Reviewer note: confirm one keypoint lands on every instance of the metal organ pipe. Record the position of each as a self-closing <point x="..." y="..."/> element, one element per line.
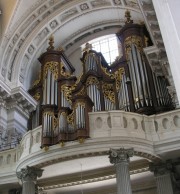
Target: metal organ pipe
<point x="44" y="92"/>
<point x="160" y="90"/>
<point x="44" y="125"/>
<point x="80" y="116"/>
<point x="94" y="98"/>
<point x="52" y="88"/>
<point x="48" y="87"/>
<point x="98" y="99"/>
<point x="77" y="118"/>
<point x="136" y="69"/>
<point x="166" y="94"/>
<point x="142" y="77"/>
<point x="127" y="96"/>
<point x="133" y="79"/>
<point x="83" y="117"/>
<point x="147" y="82"/>
<point x="56" y="92"/>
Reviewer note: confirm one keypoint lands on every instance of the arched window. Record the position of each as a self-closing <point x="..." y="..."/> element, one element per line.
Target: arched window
<point x="108" y="46"/>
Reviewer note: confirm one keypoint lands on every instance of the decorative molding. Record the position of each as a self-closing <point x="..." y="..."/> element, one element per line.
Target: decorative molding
<point x="29" y="174"/>
<point x="120" y="155"/>
<point x="18" y="41"/>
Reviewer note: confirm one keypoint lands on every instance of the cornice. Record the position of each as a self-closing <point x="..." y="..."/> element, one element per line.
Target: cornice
<point x="88" y="177"/>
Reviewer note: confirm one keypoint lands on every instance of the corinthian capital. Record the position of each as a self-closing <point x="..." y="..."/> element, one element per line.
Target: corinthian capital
<point x="120" y="155"/>
<point x="29" y="173"/>
<point x="161" y="169"/>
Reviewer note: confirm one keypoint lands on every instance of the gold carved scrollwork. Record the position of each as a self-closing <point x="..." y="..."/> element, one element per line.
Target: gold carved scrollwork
<point x="92" y="81"/>
<point x="67" y="90"/>
<point x="70" y="118"/>
<point x="109" y="92"/>
<point x="111" y="75"/>
<point x="63" y="71"/>
<point x="38" y="80"/>
<point x="118" y="77"/>
<point x="136" y="40"/>
<point x="77" y="81"/>
<point x="37" y="96"/>
<point x="55" y="122"/>
<point x="146" y="39"/>
<point x="53" y="67"/>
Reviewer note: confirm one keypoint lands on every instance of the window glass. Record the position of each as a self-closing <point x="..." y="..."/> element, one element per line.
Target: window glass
<point x="108" y="46"/>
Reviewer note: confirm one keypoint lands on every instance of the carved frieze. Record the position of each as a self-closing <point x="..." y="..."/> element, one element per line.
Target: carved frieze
<point x="84" y="6"/>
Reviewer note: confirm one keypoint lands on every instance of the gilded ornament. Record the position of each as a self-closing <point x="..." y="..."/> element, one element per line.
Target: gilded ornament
<point x="38" y="80"/>
<point x="109" y="92"/>
<point x="53" y="67"/>
<point x="62" y="143"/>
<point x="88" y="47"/>
<point x="118" y="77"/>
<point x="63" y="71"/>
<point x="81" y="140"/>
<point x="67" y="90"/>
<point x="46" y="148"/>
<point x="136" y="40"/>
<point x="55" y="122"/>
<point x="70" y="118"/>
<point x="111" y="75"/>
<point x="77" y="81"/>
<point x="37" y="96"/>
<point x="92" y="81"/>
<point x="146" y="39"/>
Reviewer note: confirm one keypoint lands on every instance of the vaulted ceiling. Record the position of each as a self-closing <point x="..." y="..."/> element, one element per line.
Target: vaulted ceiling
<point x="27" y="26"/>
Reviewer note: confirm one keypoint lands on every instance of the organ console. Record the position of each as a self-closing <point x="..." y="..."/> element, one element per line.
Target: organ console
<point x="129" y="84"/>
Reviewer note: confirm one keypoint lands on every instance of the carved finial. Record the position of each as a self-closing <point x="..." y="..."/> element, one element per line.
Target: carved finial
<point x="51" y="43"/>
<point x="88" y="47"/>
<point x="128" y="17"/>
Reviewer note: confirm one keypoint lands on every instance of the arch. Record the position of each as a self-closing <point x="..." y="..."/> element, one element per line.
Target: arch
<point x="30" y="37"/>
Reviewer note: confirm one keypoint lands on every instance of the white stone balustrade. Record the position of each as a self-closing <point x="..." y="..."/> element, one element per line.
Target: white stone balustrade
<point x="119" y="123"/>
<point x="151" y="135"/>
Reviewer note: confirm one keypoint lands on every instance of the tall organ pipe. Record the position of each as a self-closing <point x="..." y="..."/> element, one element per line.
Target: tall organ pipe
<point x="48" y="87"/>
<point x="52" y="89"/>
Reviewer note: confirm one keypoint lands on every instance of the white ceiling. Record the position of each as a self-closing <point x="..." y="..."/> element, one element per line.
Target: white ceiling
<point x="72" y="22"/>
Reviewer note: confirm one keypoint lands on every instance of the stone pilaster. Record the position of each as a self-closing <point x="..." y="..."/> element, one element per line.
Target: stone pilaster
<point x="162" y="173"/>
<point x="120" y="158"/>
<point x="28" y="177"/>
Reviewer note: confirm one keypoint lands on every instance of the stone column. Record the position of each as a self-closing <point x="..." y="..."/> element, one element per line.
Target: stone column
<point x="120" y="158"/>
<point x="162" y="174"/>
<point x="28" y="177"/>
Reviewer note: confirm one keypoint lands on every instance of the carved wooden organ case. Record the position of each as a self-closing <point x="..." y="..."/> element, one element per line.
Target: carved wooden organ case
<point x="142" y="90"/>
<point x="129" y="84"/>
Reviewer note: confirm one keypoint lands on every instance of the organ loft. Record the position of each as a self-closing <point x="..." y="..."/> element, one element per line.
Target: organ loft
<point x="129" y="84"/>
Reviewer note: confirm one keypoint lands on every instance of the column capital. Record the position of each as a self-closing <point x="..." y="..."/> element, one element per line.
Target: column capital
<point x="161" y="168"/>
<point x="120" y="155"/>
<point x="29" y="174"/>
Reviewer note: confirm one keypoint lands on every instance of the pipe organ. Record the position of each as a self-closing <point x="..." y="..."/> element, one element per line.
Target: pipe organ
<point x="142" y="91"/>
<point x="129" y="84"/>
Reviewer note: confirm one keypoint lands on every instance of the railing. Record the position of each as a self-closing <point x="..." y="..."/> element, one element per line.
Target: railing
<point x="119" y="123"/>
<point x="160" y="133"/>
